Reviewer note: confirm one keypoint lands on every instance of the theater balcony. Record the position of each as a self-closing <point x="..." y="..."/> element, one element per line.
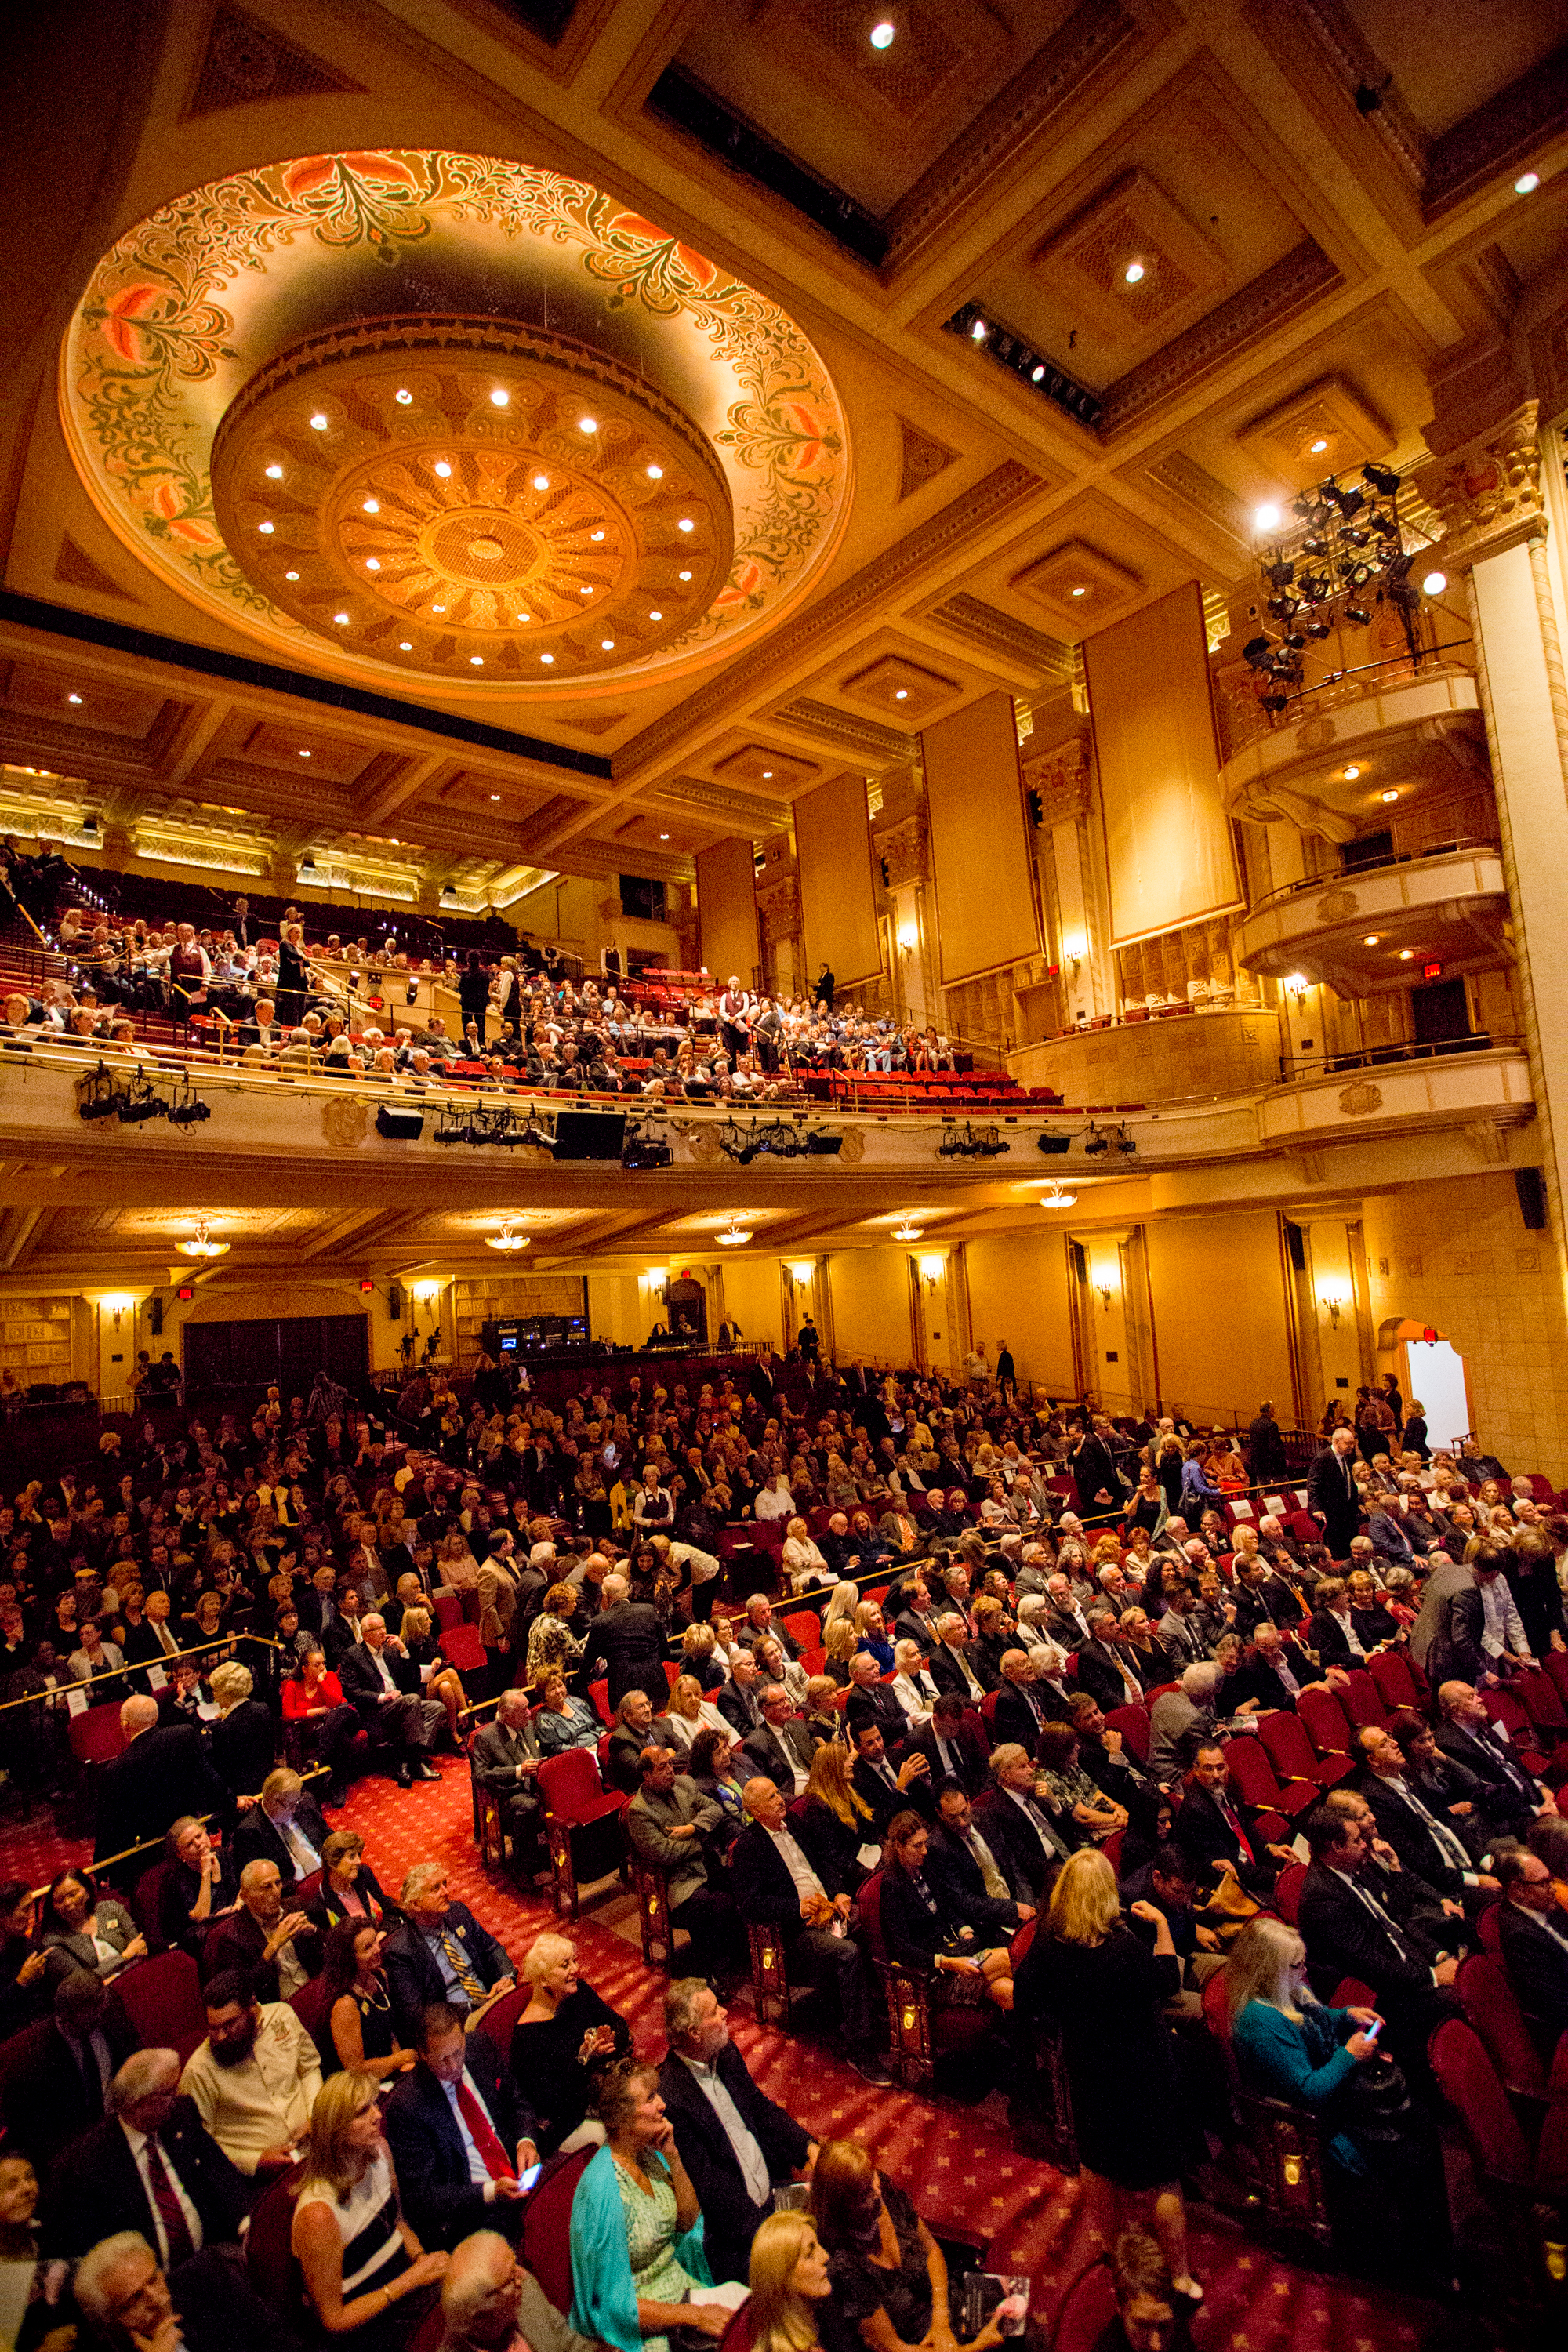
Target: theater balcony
<point x="1374" y="927"/>
<point x="1481" y="1085"/>
<point x="1355" y="751"/>
<point x="1171" y="1054"/>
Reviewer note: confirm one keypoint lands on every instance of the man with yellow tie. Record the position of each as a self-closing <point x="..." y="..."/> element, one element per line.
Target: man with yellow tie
<point x="440" y="1953"/>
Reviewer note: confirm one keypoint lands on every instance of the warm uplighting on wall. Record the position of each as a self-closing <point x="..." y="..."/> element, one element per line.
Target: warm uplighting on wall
<point x="802" y="1272"/>
<point x="118" y="1303"/>
<point x="1333" y="1300"/>
<point x="1296" y="985"/>
<point x="909" y="938"/>
<point x="933" y="1268"/>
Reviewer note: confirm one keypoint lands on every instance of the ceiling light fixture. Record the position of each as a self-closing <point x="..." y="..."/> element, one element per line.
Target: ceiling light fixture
<point x="595" y="536"/>
<point x="202" y="1245"/>
<point x="442" y="467"/>
<point x="370" y="506"/>
<point x="547" y="659"/>
<point x="656" y="473"/>
<point x="475" y="661"/>
<point x="978" y="332"/>
<point x="664" y="836"/>
<point x="318" y="423"/>
<point x="290" y="575"/>
<point x="1351" y="774"/>
<point x="1056" y="1199"/>
<point x="1371" y="939"/>
<point x="901" y="694"/>
<point x="686" y="523"/>
<point x="606" y="645"/>
<point x="734" y="1235"/>
<point x="1433" y="584"/>
<point x="584" y="592"/>
<point x="1388" y="797"/>
<point x="1080" y="591"/>
<point x="437" y="608"/>
<point x="1266" y="518"/>
<point x="1319" y="446"/>
<point x="507" y="1239"/>
<point x="304" y="755"/>
<point x="495" y="796"/>
<point x="73" y="698"/>
<point x="274" y="473"/>
<point x="405" y="646"/>
<point x="499" y="399"/>
<point x="266" y="529"/>
<point x="1133" y="273"/>
<point x="340" y="620"/>
<point x="883" y="34"/>
<point x="907" y="1231"/>
<point x="542" y="481"/>
<point x="683" y="575"/>
<point x="587" y="424"/>
<point x="655" y="616"/>
<point x="1527" y="184"/>
<point x="372" y="564"/>
<point x="1035" y="374"/>
<point x="1407" y="955"/>
<point x="767" y="775"/>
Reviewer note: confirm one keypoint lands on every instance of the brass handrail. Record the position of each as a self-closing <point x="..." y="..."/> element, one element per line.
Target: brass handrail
<point x="140" y="1667"/>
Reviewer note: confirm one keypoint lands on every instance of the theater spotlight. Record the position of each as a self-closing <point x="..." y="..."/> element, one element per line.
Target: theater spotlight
<point x="1050" y="1144"/>
<point x="642" y="1150"/>
<point x="1123" y="1141"/>
<point x="823" y="1144"/>
<point x="1382" y="479"/>
<point x="1094" y="1143"/>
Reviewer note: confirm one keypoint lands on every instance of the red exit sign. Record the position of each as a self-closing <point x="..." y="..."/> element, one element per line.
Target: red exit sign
<point x="1431" y="972"/>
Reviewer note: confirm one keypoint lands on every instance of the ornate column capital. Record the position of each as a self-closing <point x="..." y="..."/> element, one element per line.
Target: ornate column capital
<point x="1488" y="491"/>
<point x="778" y="908"/>
<point x="904" y="847"/>
<point x="1060" y="773"/>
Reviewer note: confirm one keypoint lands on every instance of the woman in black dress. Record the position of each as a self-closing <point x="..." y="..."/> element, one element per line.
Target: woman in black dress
<point x="358" y="2033"/>
<point x="1089" y="1973"/>
<point x="888" y="2275"/>
<point x="199" y="1885"/>
<point x="563" y="2044"/>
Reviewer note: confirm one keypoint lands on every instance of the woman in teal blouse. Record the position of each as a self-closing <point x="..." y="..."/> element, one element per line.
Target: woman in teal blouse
<point x="1287" y="2045"/>
<point x="636" y="2231"/>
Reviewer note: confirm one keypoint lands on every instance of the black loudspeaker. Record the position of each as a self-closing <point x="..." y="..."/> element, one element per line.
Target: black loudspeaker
<point x="589" y="1134"/>
<point x="403" y="1126"/>
<point x="1531" y="1186"/>
<point x="395" y="1301"/>
<point x="155" y="1312"/>
<point x="1296" y="1242"/>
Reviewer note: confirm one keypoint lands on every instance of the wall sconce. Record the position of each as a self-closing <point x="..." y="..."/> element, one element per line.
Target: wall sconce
<point x="657" y="1277"/>
<point x="1104" y="1290"/>
<point x="1333" y="1302"/>
<point x="1296" y="987"/>
<point x="801" y="1273"/>
<point x="1075" y="946"/>
<point x="909" y="938"/>
<point x="118" y="1303"/>
<point x="933" y="1268"/>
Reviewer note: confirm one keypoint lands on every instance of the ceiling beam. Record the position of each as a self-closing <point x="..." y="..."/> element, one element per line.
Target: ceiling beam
<point x="22" y="1239"/>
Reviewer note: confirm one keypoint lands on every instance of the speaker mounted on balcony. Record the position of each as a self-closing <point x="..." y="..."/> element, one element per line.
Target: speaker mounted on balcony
<point x="401" y="1126"/>
<point x="589" y="1135"/>
<point x="1531" y="1186"/>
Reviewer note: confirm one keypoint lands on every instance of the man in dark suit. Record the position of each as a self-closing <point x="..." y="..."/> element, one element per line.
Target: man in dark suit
<point x="285" y="1828"/>
<point x="160" y="1774"/>
<point x="459" y="2132"/>
<point x="888" y="1787"/>
<point x="58" y="2086"/>
<point x="1016" y="1820"/>
<point x="951" y="1667"/>
<point x="871" y="1701"/>
<point x="380" y="1678"/>
<point x="775" y="1885"/>
<point x="274" y="1946"/>
<point x="1332" y="1493"/>
<point x="1018" y="1714"/>
<point x="638" y="1728"/>
<point x="953" y="1749"/>
<point x="1535" y="1945"/>
<point x="1103" y="1669"/>
<point x="1424" y="1838"/>
<point x="736" y="2144"/>
<point x="739" y="1702"/>
<point x="147" y="2162"/>
<point x="1212" y="1831"/>
<point x="629" y="1637"/>
<point x="1094" y="1471"/>
<point x="1273" y="1671"/>
<point x="1509" y="1797"/>
<point x="781" y="1746"/>
<point x="504" y="1759"/>
<point x="1349" y="1932"/>
<point x="439" y="1953"/>
<point x="969" y="1880"/>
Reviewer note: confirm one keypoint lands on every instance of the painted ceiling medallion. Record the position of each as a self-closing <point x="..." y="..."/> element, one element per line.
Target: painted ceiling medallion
<point x="450" y="499"/>
<point x="216" y="331"/>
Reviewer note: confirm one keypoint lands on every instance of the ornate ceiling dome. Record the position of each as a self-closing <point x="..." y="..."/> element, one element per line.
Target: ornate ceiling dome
<point x="455" y="418"/>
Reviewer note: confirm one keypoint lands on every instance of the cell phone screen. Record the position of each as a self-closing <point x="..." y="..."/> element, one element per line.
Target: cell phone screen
<point x="1375" y="2029"/>
<point x="525" y="2180"/>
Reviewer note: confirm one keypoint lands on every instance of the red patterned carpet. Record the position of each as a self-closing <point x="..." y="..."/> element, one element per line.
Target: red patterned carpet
<point x="958" y="2163"/>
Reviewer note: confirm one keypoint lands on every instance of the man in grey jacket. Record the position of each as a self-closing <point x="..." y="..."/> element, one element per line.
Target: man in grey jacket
<point x="490" y="2303"/>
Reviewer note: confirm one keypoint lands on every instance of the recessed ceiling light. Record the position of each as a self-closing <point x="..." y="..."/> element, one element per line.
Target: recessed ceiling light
<point x="304" y="755"/>
<point x="542" y="481"/>
<point x="495" y="796"/>
<point x="587" y="424"/>
<point x="1389" y="796"/>
<point x="523" y="619"/>
<point x="1527" y="184"/>
<point x="686" y="523"/>
<point x="1133" y="273"/>
<point x="372" y="564"/>
<point x="596" y="535"/>
<point x="266" y="529"/>
<point x="1407" y="955"/>
<point x="340" y="620"/>
<point x="978" y="332"/>
<point x="475" y="661"/>
<point x="1036" y="373"/>
<point x="499" y="399"/>
<point x="437" y="608"/>
<point x="547" y="659"/>
<point x="442" y="467"/>
<point x="1081" y="592"/>
<point x="403" y="399"/>
<point x="584" y="592"/>
<point x="664" y="836"/>
<point x="274" y="473"/>
<point x="684" y="575"/>
<point x="1266" y="518"/>
<point x="1318" y="447"/>
<point x="290" y="575"/>
<point x="1351" y="774"/>
<point x="606" y="645"/>
<point x="370" y="506"/>
<point x="656" y="473"/>
<point x="655" y="616"/>
<point x="1434" y="583"/>
<point x="405" y="646"/>
<point x="901" y="694"/>
<point x="882" y="36"/>
<point x="1371" y="939"/>
<point x="318" y="423"/>
<point x="73" y="698"/>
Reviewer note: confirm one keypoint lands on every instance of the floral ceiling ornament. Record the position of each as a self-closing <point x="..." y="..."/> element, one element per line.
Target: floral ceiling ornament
<point x="193" y="303"/>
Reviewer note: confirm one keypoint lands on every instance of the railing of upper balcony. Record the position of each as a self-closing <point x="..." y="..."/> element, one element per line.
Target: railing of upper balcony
<point x="1243" y="720"/>
<point x="1466" y="845"/>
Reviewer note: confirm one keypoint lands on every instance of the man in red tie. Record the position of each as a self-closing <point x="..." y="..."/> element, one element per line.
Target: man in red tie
<point x="1213" y="1833"/>
<point x="460" y="2135"/>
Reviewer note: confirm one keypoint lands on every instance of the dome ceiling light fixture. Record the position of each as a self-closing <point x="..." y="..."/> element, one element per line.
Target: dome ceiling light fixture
<point x="1056" y="1199"/>
<point x="225" y="370"/>
<point x="201" y="1244"/>
<point x="907" y="1231"/>
<point x="509" y="1238"/>
<point x="735" y="1236"/>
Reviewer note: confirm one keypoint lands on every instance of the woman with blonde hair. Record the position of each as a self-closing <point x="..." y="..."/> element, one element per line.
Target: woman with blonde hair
<point x="456" y="1570"/>
<point x="839" y="1645"/>
<point x="843" y="1602"/>
<point x="788" y="2279"/>
<point x="1088" y="1972"/>
<point x="691" y="1711"/>
<point x="836" y="1828"/>
<point x="562" y="2046"/>
<point x="423" y="1644"/>
<point x="366" y="2273"/>
<point x="804" y="1564"/>
<point x="554" y="1647"/>
<point x="777" y="1671"/>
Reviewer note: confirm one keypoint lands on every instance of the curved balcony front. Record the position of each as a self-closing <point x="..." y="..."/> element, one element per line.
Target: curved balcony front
<point x="1382" y="925"/>
<point x="1352" y="748"/>
<point x="1173" y="1057"/>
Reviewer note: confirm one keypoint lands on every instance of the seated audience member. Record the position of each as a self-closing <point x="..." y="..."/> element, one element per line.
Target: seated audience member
<point x="1534" y="1931"/>
<point x="775" y="1885"/>
<point x="789" y="2284"/>
<point x="1150" y="2316"/>
<point x="245" y="1738"/>
<point x="968" y="1877"/>
<point x="364" y="2272"/>
<point x="952" y="1746"/>
<point x="23" y="2278"/>
<point x="1510" y="1798"/>
<point x="740" y="1700"/>
<point x="929" y="1934"/>
<point x="312" y="1694"/>
<point x="80" y="1929"/>
<point x="565" y="1721"/>
<point x="285" y="1828"/>
<point x="1093" y="1816"/>
<point x="1019" y="1823"/>
<point x="439" y="1952"/>
<point x="886" y="1788"/>
<point x="61" y="2086"/>
<point x="128" y="2305"/>
<point x="637" y="2230"/>
<point x="255" y="2078"/>
<point x="504" y="1759"/>
<point x="1287" y="2046"/>
<point x="349" y="1887"/>
<point x="1211" y="1827"/>
<point x="199" y="1884"/>
<point x="837" y="1824"/>
<point x="888" y="2276"/>
<point x="1425" y="1840"/>
<point x="563" y="2044"/>
<point x="736" y="2144"/>
<point x="781" y="1746"/>
<point x="382" y="1681"/>
<point x="460" y="2135"/>
<point x="150" y="2165"/>
<point x="359" y="2033"/>
<point x="690" y="1712"/>
<point x="161" y="1771"/>
<point x="276" y="1947"/>
<point x="636" y="1728"/>
<point x="669" y="1822"/>
<point x="912" y="1684"/>
<point x="24" y="1984"/>
<point x="490" y="2303"/>
<point x="1349" y="1932"/>
<point x="1106" y="1990"/>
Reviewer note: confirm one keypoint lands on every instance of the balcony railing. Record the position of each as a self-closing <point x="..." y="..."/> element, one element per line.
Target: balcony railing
<point x="1464" y="847"/>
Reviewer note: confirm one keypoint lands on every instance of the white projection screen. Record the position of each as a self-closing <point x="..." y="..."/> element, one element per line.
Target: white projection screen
<point x="1169" y="850"/>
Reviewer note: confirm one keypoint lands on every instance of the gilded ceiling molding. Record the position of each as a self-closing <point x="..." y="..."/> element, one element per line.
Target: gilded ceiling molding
<point x="1488" y="493"/>
<point x="923" y="458"/>
<point x="1063" y="777"/>
<point x="739" y="809"/>
<point x="967" y="618"/>
<point x="980" y="510"/>
<point x="1299" y="278"/>
<point x="844" y="728"/>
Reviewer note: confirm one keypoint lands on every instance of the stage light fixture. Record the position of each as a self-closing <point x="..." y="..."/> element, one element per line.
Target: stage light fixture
<point x="1094" y="1143"/>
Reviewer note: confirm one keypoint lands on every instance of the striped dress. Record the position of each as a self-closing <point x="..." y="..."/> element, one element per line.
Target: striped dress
<point x="374" y="2251"/>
